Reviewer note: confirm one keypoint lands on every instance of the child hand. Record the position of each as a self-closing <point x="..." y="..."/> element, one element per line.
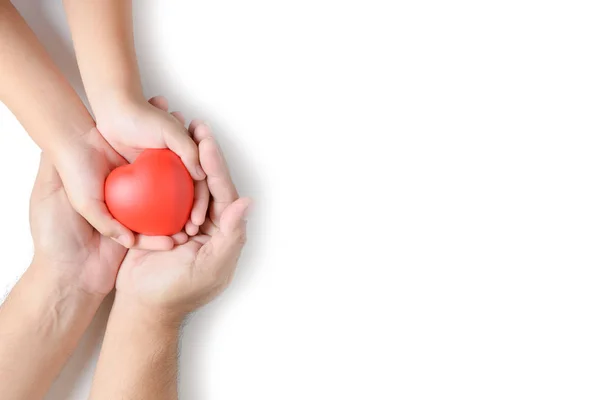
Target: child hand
<point x="83" y="165"/>
<point x="130" y="127"/>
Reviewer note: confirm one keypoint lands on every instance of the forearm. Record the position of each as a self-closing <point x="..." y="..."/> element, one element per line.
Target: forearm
<point x="102" y="32"/>
<point x="41" y="323"/>
<point x="33" y="88"/>
<point x="139" y="356"/>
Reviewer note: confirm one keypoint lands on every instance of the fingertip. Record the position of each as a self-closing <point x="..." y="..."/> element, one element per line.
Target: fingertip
<point x="121" y="242"/>
<point x="210" y="155"/>
<point x="126" y="239"/>
<point x="191" y="228"/>
<point x="201" y="131"/>
<point x="194" y="169"/>
<point x="198" y="217"/>
<point x="97" y="214"/>
<point x="159" y="102"/>
<point x="193" y="124"/>
<point x="188" y="151"/>
<point x="180" y="238"/>
<point x="192" y="164"/>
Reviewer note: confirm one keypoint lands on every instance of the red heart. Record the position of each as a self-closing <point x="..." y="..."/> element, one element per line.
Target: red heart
<point x="152" y="196"/>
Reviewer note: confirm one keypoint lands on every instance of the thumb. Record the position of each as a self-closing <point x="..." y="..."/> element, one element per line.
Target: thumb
<point x="234" y="216"/>
<point x="180" y="142"/>
<point x="231" y="236"/>
<point x="221" y="253"/>
<point x="97" y="214"/>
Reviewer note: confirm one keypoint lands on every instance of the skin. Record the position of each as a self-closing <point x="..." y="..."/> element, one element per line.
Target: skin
<point x="157" y="290"/>
<point x="47" y="312"/>
<point x="102" y="32"/>
<point x="54" y="116"/>
<point x="75" y="267"/>
<point x="75" y="262"/>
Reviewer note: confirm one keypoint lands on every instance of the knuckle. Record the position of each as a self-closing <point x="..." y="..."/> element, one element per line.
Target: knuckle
<point x="240" y="236"/>
<point x="237" y="238"/>
<point x="242" y="239"/>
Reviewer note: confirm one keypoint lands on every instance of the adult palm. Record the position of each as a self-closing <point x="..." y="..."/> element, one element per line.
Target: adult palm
<point x="192" y="274"/>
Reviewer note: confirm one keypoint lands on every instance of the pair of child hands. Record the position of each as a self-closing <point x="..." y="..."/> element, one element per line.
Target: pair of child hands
<point x="84" y="163"/>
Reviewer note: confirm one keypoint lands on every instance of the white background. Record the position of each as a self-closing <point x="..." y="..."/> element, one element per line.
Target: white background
<point x="427" y="220"/>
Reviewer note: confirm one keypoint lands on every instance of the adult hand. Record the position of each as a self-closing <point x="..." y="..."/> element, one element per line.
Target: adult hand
<point x="174" y="283"/>
<point x="80" y="257"/>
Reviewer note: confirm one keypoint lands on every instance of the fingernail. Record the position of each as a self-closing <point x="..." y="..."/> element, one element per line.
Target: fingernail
<point x="123" y="240"/>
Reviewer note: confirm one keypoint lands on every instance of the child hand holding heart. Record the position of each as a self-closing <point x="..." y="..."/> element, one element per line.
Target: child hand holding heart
<point x="153" y="196"/>
<point x="156" y="195"/>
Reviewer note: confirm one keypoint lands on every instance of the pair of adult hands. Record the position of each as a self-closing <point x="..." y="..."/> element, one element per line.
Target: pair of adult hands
<point x="189" y="272"/>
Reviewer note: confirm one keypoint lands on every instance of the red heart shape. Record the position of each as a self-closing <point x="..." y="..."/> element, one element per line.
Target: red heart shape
<point x="152" y="196"/>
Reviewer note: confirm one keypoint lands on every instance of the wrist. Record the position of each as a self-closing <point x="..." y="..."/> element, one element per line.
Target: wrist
<point x="50" y="303"/>
<point x="140" y="347"/>
<point x="59" y="139"/>
<point x="146" y="317"/>
<point x="69" y="142"/>
<point x="55" y="282"/>
<point x="115" y="103"/>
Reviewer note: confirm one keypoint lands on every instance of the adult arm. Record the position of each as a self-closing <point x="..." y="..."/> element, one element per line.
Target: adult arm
<point x="41" y="322"/>
<point x="139" y="355"/>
